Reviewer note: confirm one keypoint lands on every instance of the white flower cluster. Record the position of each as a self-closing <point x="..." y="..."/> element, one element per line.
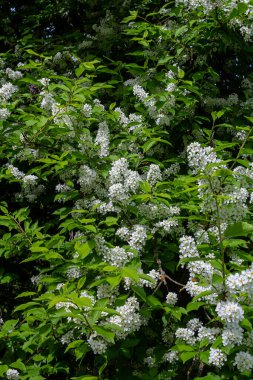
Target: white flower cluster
<point x="171" y="87"/>
<point x="186" y="334"/>
<point x="85" y="294"/>
<point x="87" y="110"/>
<point x="66" y="306"/>
<point x="230" y="312"/>
<point x="133" y="119"/>
<point x="4" y="113"/>
<point x="117" y="193"/>
<point x="187" y="247"/>
<point x="97" y="343"/>
<point x="171" y="357"/>
<point x="87" y="178"/>
<point x="196" y="332"/>
<point x="154" y="175"/>
<point x="62" y="188"/>
<point x="154" y="274"/>
<point x="225" y="7"/>
<point x="44" y="81"/>
<point x="136" y="237"/>
<point x="144" y="97"/>
<point x="209" y="333"/>
<point x="243" y="361"/>
<point x="47" y="101"/>
<point x="150" y="360"/>
<point x="73" y="273"/>
<point x="67" y="338"/>
<point x="118" y="256"/>
<point x="153" y="211"/>
<point x="232" y="335"/>
<point x="200" y="271"/>
<point x="7" y="90"/>
<point x="199" y="158"/>
<point x="223" y="201"/>
<point x="61" y="115"/>
<point x="103" y="139"/>
<point x="165" y="226"/>
<point x="12" y="374"/>
<point x="122" y="181"/>
<point x="106" y="291"/>
<point x="129" y="320"/>
<point x="14" y="75"/>
<point x="173" y="169"/>
<point x="241" y="283"/>
<point x="217" y="357"/>
<point x="28" y="179"/>
<point x="140" y="93"/>
<point x="171" y="298"/>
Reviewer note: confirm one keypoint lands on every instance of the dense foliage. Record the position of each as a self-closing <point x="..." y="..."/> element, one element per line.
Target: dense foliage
<point x="126" y="190"/>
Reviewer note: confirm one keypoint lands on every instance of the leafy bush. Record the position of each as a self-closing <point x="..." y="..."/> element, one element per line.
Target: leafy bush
<point x="126" y="202"/>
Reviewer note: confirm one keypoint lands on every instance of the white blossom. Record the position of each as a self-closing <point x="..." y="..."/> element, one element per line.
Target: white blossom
<point x="7" y="90"/>
<point x="230" y="311"/>
<point x="12" y="374"/>
<point x="97" y="343"/>
<point x="73" y="273"/>
<point x="87" y="110"/>
<point x="4" y="113"/>
<point x="217" y="357"/>
<point x="103" y="139"/>
<point x="128" y="319"/>
<point x="44" y="81"/>
<point x="14" y="75"/>
<point x="232" y="335"/>
<point x="171" y="298"/>
<point x="243" y="361"/>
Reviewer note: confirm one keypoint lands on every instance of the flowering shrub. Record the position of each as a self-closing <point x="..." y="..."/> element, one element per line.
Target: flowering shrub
<point x="126" y="202"/>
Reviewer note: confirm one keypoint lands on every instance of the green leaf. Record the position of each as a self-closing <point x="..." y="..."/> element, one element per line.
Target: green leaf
<point x="246" y="324"/>
<point x="98" y="309"/>
<point x="19" y="365"/>
<point x="26" y="294"/>
<point x="131" y="273"/>
<point x="139" y="291"/>
<point x="133" y="16"/>
<point x="3" y="369"/>
<point x="107" y="334"/>
<point x="238" y="229"/>
<point x="181" y="73"/>
<point x="153" y="301"/>
<point x="194" y="306"/>
<point x="85" y="378"/>
<point x="185" y="356"/>
<point x="183" y="347"/>
<point x="84" y="249"/>
<point x="204" y="356"/>
<point x="181" y="30"/>
<point x="210" y="376"/>
<point x="79" y="70"/>
<point x="74" y="344"/>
